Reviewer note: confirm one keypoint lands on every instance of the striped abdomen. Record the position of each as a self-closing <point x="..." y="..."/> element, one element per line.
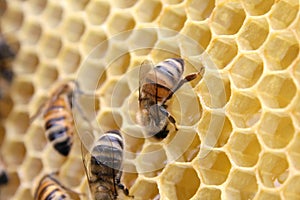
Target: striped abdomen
<point x="160" y="82"/>
<point x="59" y="125"/>
<point x="50" y="189"/>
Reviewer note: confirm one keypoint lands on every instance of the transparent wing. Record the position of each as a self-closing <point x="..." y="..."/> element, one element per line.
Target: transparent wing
<point x="145" y="68"/>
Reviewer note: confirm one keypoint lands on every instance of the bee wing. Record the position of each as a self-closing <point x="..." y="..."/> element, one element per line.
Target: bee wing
<point x="146" y="66"/>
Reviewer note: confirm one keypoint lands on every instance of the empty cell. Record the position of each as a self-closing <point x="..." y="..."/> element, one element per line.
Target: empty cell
<point x="47" y="75"/>
<point x="199" y="32"/>
<point x="215" y="129"/>
<point x="108" y="120"/>
<point x="276" y="130"/>
<point x="92" y="42"/>
<point x="257" y="7"/>
<point x="273" y="169"/>
<point x="294" y="152"/>
<point x="130" y="109"/>
<point x="246" y="70"/>
<point x="53" y="14"/>
<point x="26" y="62"/>
<point x="253" y="33"/>
<point x="151" y="161"/>
<point x="14" y="152"/>
<point x="97" y="11"/>
<point x="296" y="71"/>
<point x="142" y="39"/>
<point x="3" y="7"/>
<point x="214" y="167"/>
<point x="133" y="138"/>
<point x="222" y="51"/>
<point x="69" y="59"/>
<point x="35" y="138"/>
<point x="6" y="106"/>
<point x="241" y="185"/>
<point x="143" y="189"/>
<point x="200" y="9"/>
<point x="207" y="193"/>
<point x="292" y="188"/>
<point x="276" y="91"/>
<point x="262" y="195"/>
<point x="129" y="179"/>
<point x="8" y="191"/>
<point x="244" y="109"/>
<point x="73" y="165"/>
<point x="22" y="91"/>
<point x="227" y="18"/>
<point x="31" y="167"/>
<point x="31" y="32"/>
<point x="118" y="65"/>
<point x="164" y="49"/>
<point x="77" y="5"/>
<point x="283" y="13"/>
<point x="281" y="50"/>
<point x="295" y="109"/>
<point x="24" y="193"/>
<point x="214" y="89"/>
<point x="120" y="22"/>
<point x="50" y="45"/>
<point x="11" y="20"/>
<point x="147" y="11"/>
<point x="244" y="149"/>
<point x="124" y="4"/>
<point x="18" y="122"/>
<point x="73" y="28"/>
<point x="179" y="181"/>
<point x="37" y="6"/>
<point x="172" y="18"/>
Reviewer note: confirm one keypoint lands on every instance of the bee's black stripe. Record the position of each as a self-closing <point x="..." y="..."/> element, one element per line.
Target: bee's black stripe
<point x="57" y="133"/>
<point x="3" y="178"/>
<point x="172" y="64"/>
<point x="52" y="122"/>
<point x="164" y="71"/>
<point x="112" y="139"/>
<point x="63" y="147"/>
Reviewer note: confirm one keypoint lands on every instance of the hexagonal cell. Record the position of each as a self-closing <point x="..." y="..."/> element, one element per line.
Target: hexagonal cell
<point x="37" y="6"/>
<point x="50" y="45"/>
<point x="147" y="11"/>
<point x="244" y="109"/>
<point x="14" y="152"/>
<point x="273" y="169"/>
<point x="11" y="20"/>
<point x="46" y="76"/>
<point x="119" y="63"/>
<point x="241" y="185"/>
<point x="258" y="7"/>
<point x="200" y="10"/>
<point x="176" y="182"/>
<point x="26" y="62"/>
<point x="70" y="60"/>
<point x="73" y="165"/>
<point x="129" y="179"/>
<point x="35" y="138"/>
<point x="78" y="5"/>
<point x="215" y="129"/>
<point x="109" y="120"/>
<point x="23" y="193"/>
<point x="281" y="50"/>
<point x="141" y="41"/>
<point x="248" y="37"/>
<point x="172" y="18"/>
<point x="262" y="195"/>
<point x="246" y="70"/>
<point x="214" y="167"/>
<point x="283" y="13"/>
<point x="276" y="90"/>
<point x="207" y="193"/>
<point x="151" y="161"/>
<point x="222" y="51"/>
<point x="120" y="22"/>
<point x="164" y="49"/>
<point x="295" y="110"/>
<point x="244" y="149"/>
<point x="144" y="189"/>
<point x="294" y="152"/>
<point x="90" y="41"/>
<point x="215" y="90"/>
<point x="3" y="6"/>
<point x="6" y="105"/>
<point x="227" y="18"/>
<point x="276" y="130"/>
<point x="124" y="4"/>
<point x="73" y="28"/>
<point x="296" y="71"/>
<point x="133" y="138"/>
<point x="97" y="11"/>
<point x="53" y="14"/>
<point x="292" y="188"/>
<point x="184" y="146"/>
<point x="18" y="122"/>
<point x="31" y="32"/>
<point x="51" y="158"/>
<point x="22" y="91"/>
<point x="28" y="165"/>
<point x="199" y="32"/>
<point x="11" y="188"/>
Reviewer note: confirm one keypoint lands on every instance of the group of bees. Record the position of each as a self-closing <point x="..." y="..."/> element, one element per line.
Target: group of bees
<point x="103" y="162"/>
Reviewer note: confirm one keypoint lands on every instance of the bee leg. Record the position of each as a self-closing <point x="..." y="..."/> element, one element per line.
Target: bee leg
<point x="170" y="117"/>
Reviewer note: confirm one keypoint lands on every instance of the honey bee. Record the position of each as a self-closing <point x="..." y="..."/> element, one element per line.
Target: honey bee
<point x="156" y="86"/>
<point x="103" y="166"/>
<point x="6" y="73"/>
<point x="58" y="117"/>
<point x="3" y="174"/>
<point x="50" y="188"/>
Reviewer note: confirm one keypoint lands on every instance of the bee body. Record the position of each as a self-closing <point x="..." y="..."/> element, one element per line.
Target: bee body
<point x="3" y="174"/>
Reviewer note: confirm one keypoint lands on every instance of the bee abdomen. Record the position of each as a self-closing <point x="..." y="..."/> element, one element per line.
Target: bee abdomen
<point x="3" y="178"/>
<point x="50" y="190"/>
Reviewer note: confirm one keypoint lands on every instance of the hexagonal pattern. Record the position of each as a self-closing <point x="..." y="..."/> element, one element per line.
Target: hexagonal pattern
<point x="239" y="126"/>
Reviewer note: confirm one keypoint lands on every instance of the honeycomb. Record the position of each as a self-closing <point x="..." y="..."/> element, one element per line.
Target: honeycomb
<point x="239" y="126"/>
